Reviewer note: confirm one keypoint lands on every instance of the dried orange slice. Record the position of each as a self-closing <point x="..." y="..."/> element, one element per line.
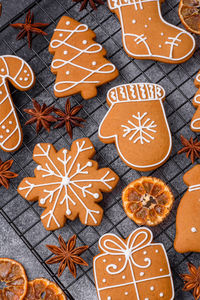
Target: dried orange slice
<point x="13" y="275"/>
<point x="43" y="289"/>
<point x="189" y="13"/>
<point x="147" y="201"/>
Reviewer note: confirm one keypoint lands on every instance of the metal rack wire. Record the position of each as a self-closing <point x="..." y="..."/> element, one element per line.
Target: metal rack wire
<point x="24" y="217"/>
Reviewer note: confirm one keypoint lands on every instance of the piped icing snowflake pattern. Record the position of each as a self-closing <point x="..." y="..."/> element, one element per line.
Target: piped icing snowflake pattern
<point x="68" y="184"/>
<point x="140" y="129"/>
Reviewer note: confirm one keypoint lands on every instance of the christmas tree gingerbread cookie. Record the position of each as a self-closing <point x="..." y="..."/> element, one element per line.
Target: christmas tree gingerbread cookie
<point x="146" y="35"/>
<point x="187" y="218"/>
<point x="15" y="70"/>
<point x="68" y="184"/>
<point x="195" y="123"/>
<point x="79" y="63"/>
<point x="137" y="124"/>
<point x="133" y="269"/>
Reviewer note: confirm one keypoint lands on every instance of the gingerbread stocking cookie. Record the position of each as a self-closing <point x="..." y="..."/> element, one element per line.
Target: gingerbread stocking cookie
<point x="137" y="124"/>
<point x="146" y="35"/>
<point x="79" y="63"/>
<point x="187" y="218"/>
<point x="15" y="70"/>
<point x="195" y="123"/>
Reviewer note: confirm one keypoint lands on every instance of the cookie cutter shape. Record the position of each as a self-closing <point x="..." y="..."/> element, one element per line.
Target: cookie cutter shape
<point x="134" y="268"/>
<point x="146" y="35"/>
<point x="195" y="123"/>
<point x="137" y="124"/>
<point x="15" y="70"/>
<point x="68" y="184"/>
<point x="79" y="62"/>
<point x="187" y="218"/>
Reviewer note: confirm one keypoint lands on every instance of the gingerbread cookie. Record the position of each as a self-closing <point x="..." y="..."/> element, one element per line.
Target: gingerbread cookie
<point x="137" y="123"/>
<point x="187" y="218"/>
<point x="15" y="70"/>
<point x="134" y="268"/>
<point x="195" y="123"/>
<point x="68" y="184"/>
<point x="146" y="35"/>
<point x="79" y="63"/>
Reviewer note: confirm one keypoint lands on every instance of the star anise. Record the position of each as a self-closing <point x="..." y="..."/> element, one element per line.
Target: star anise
<point x="41" y="116"/>
<point x="29" y="27"/>
<point x="192" y="280"/>
<point x="91" y="2"/>
<point x="67" y="255"/>
<point x="5" y="174"/>
<point x="191" y="148"/>
<point x="68" y="118"/>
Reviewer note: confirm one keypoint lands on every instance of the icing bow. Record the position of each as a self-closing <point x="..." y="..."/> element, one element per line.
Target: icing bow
<point x="115" y="246"/>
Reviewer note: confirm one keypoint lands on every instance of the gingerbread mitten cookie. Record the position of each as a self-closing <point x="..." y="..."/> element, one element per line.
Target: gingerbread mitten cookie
<point x="187" y="218"/>
<point x="195" y="123"/>
<point x="146" y="35"/>
<point x="15" y="70"/>
<point x="68" y="184"/>
<point x="132" y="269"/>
<point x="79" y="63"/>
<point x="137" y="123"/>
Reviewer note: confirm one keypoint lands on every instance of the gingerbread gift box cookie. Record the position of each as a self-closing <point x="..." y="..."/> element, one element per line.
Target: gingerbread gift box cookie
<point x="137" y="124"/>
<point x="195" y="123"/>
<point x="187" y="218"/>
<point x="146" y="35"/>
<point x="68" y="184"/>
<point x="15" y="70"/>
<point x="134" y="268"/>
<point x="79" y="62"/>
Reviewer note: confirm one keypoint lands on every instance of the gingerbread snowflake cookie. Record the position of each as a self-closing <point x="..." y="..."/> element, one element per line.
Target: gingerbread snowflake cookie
<point x="68" y="184"/>
<point x="79" y="63"/>
<point x="134" y="268"/>
<point x="187" y="218"/>
<point x="15" y="70"/>
<point x="146" y="35"/>
<point x="137" y="124"/>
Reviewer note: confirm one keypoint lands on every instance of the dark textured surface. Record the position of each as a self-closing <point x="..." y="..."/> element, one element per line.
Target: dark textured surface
<point x="22" y="236"/>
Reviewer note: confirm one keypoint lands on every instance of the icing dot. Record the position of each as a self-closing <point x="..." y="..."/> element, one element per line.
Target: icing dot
<point x="89" y="164"/>
<point x="104" y="280"/>
<point x="119" y="259"/>
<point x="146" y="259"/>
<point x="1" y="136"/>
<point x="3" y="127"/>
<point x="68" y="23"/>
<point x="84" y="42"/>
<point x="156" y="251"/>
<point x="39" y="168"/>
<point x="126" y="293"/>
<point x="65" y="52"/>
<point x="10" y="122"/>
<point x="145" y="252"/>
<point x="42" y="201"/>
<point x="1" y="92"/>
<point x="2" y="70"/>
<point x="104" y="260"/>
<point x="96" y="196"/>
<point x="26" y="78"/>
<point x="94" y="63"/>
<point x="141" y="273"/>
<point x="152" y="288"/>
<point x="145" y="26"/>
<point x="61" y="34"/>
<point x="67" y="72"/>
<point x="160" y="46"/>
<point x="193" y="229"/>
<point x="161" y="270"/>
<point x="68" y="212"/>
<point x="146" y="299"/>
<point x="123" y="277"/>
<point x="134" y="21"/>
<point x="162" y="33"/>
<point x="7" y="130"/>
<point x="109" y="298"/>
<point x="20" y="78"/>
<point x="25" y="71"/>
<point x="150" y="19"/>
<point x="161" y="295"/>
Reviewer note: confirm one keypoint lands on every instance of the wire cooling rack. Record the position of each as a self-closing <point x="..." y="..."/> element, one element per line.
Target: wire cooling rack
<point x="24" y="217"/>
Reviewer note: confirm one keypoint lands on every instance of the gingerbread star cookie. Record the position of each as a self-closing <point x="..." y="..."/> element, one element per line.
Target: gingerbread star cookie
<point x="146" y="35"/>
<point x="15" y="70"/>
<point x="79" y="62"/>
<point x="133" y="269"/>
<point x="68" y="184"/>
<point x="187" y="218"/>
<point x="137" y="124"/>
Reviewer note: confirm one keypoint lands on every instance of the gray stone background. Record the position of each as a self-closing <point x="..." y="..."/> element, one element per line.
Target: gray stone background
<point x="22" y="236"/>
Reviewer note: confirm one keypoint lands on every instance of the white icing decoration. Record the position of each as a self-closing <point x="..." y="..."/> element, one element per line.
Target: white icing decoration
<point x="94" y="48"/>
<point x="152" y="288"/>
<point x="193" y="229"/>
<point x="145" y="252"/>
<point x="162" y="33"/>
<point x="111" y="245"/>
<point x="94" y="63"/>
<point x="134" y="21"/>
<point x="150" y="18"/>
<point x="61" y="34"/>
<point x="2" y="70"/>
<point x="126" y="293"/>
<point x="141" y="274"/>
<point x="171" y="42"/>
<point x="67" y="179"/>
<point x="104" y="260"/>
<point x="146" y="299"/>
<point x="20" y="78"/>
<point x="119" y="259"/>
<point x="25" y="71"/>
<point x="10" y="122"/>
<point x="161" y="270"/>
<point x="160" y="46"/>
<point x="113" y="98"/>
<point x="156" y="251"/>
<point x="1" y="136"/>
<point x="7" y="130"/>
<point x="193" y="188"/>
<point x="67" y="72"/>
<point x="143" y="127"/>
<point x="3" y="127"/>
<point x="65" y="52"/>
<point x="123" y="277"/>
<point x="68" y="23"/>
<point x="109" y="298"/>
<point x="146" y="26"/>
<point x="1" y="92"/>
<point x="104" y="280"/>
